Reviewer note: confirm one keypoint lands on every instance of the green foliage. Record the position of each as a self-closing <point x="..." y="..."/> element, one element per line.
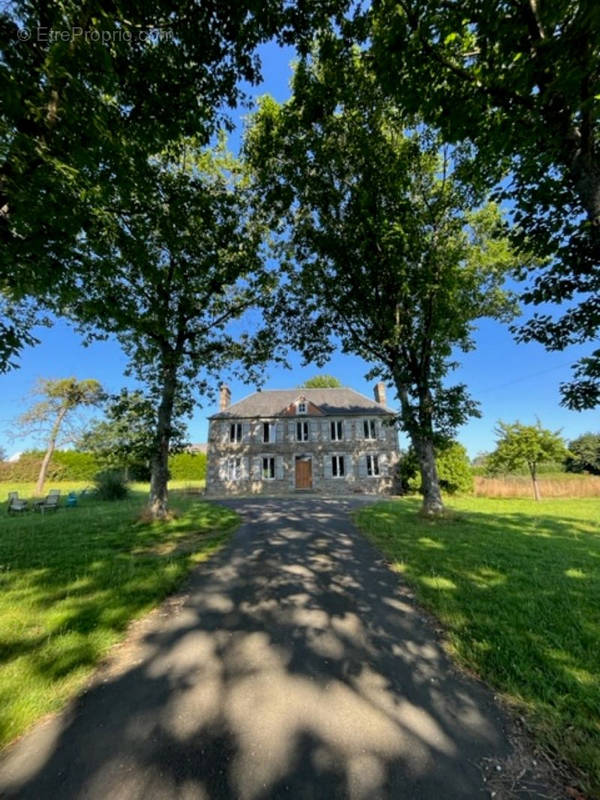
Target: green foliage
<point x="66" y="465"/>
<point x="124" y="438"/>
<point x="60" y="397"/>
<point x="516" y="586"/>
<point x="518" y="83"/>
<point x="74" y="580"/>
<point x="525" y="445"/>
<point x="453" y="467"/>
<point x="584" y="454"/>
<point x="187" y="466"/>
<point x="321" y="382"/>
<point x="111" y="485"/>
<point x="79" y="117"/>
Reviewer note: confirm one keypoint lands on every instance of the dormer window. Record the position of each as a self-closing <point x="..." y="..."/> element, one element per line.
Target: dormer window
<point x="301" y="408"/>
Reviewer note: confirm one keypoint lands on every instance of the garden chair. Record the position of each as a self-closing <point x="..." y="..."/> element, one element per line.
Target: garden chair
<point x="50" y="503"/>
<point x="15" y="505"/>
<point x="71" y="500"/>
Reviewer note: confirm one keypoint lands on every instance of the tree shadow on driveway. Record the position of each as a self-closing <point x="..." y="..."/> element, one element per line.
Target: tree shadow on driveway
<point x="294" y="665"/>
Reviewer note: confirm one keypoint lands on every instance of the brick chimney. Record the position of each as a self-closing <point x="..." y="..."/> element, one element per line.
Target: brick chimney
<point x="379" y="392"/>
<point x="224" y="397"/>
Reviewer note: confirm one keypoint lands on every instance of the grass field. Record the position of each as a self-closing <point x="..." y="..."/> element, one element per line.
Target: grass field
<point x="562" y="484"/>
<point x="71" y="581"/>
<point x="517" y="586"/>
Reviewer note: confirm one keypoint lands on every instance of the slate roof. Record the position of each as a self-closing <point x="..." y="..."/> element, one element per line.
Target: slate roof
<point x="331" y="402"/>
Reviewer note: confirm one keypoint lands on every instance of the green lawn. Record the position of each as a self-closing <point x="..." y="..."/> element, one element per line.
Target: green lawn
<point x="517" y="586"/>
<point x="71" y="580"/>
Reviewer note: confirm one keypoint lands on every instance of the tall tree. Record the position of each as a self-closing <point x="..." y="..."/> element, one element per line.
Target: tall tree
<point x="60" y="398"/>
<point x="85" y="86"/>
<point x="385" y="254"/>
<point x="321" y="381"/>
<point x="518" y="445"/>
<point x="520" y="81"/>
<point x="180" y="263"/>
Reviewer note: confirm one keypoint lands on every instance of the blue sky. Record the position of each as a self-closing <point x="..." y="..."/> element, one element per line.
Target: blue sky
<point x="511" y="381"/>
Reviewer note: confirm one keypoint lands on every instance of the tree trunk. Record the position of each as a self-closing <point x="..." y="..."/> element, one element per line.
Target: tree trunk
<point x="49" y="451"/>
<point x="422" y="441"/>
<point x="536" y="488"/>
<point x="430" y="482"/>
<point x="159" y="462"/>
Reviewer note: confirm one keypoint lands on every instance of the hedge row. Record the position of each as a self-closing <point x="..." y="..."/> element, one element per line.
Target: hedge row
<point x="68" y="465"/>
<point x="188" y="466"/>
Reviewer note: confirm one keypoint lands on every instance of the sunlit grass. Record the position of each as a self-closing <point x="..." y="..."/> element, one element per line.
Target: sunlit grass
<point x="71" y="581"/>
<point x="517" y="586"/>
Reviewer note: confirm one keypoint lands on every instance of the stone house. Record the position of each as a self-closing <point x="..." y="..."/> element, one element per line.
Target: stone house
<point x="332" y="441"/>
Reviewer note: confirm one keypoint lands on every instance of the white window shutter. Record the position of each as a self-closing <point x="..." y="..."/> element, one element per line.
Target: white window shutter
<point x="279" y="468"/>
<point x="224" y="432"/>
<point x="278" y="431"/>
<point x="360" y="428"/>
<point x="245" y="431"/>
<point x="313" y="431"/>
<point x="362" y="467"/>
<point x="257" y="468"/>
<point x="381" y="430"/>
<point x="223" y="469"/>
<point x="325" y="430"/>
<point x="327" y="466"/>
<point x="383" y="464"/>
<point x="349" y="465"/>
<point x="292" y="431"/>
<point x="348" y="430"/>
<point x="245" y="469"/>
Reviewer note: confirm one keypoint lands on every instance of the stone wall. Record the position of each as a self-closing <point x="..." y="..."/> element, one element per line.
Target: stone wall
<point x="319" y="446"/>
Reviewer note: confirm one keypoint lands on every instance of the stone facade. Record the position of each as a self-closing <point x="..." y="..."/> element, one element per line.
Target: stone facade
<point x="325" y="448"/>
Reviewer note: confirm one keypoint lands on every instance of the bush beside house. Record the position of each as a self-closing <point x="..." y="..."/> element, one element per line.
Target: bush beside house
<point x="454" y="470"/>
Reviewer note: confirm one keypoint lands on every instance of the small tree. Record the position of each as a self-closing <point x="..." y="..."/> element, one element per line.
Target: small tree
<point x="124" y="438"/>
<point x="321" y="382"/>
<point x="584" y="454"/>
<point x="530" y="445"/>
<point x="60" y="398"/>
<point x="3" y="454"/>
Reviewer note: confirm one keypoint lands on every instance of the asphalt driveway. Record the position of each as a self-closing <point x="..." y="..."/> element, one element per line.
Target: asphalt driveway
<point x="294" y="665"/>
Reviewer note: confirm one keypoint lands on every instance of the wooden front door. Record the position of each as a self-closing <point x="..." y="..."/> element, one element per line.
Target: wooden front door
<point x="303" y="473"/>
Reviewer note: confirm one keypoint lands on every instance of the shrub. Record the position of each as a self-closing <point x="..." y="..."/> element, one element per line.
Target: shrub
<point x="454" y="470"/>
<point x="111" y="484"/>
<point x="188" y="466"/>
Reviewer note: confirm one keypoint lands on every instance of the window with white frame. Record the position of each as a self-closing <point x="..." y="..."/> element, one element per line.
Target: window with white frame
<point x="370" y="428"/>
<point x="235" y="432"/>
<point x="302" y="431"/>
<point x="337" y="466"/>
<point x="269" y="432"/>
<point x="337" y="431"/>
<point x="234" y="468"/>
<point x="268" y="468"/>
<point x="301" y="408"/>
<point x="373" y="466"/>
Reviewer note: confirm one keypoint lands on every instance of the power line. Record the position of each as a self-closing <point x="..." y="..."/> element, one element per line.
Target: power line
<point x="526" y="377"/>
